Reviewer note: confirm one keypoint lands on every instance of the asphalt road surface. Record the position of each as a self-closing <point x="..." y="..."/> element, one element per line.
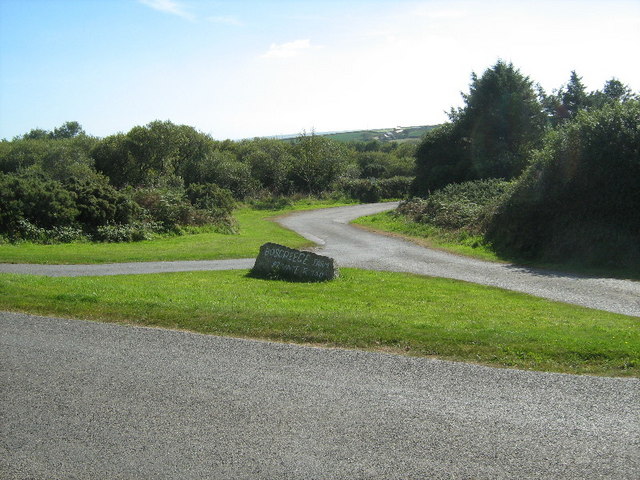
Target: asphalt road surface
<point x="87" y="400"/>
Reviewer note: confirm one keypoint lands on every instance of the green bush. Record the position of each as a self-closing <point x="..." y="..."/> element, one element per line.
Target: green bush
<point x="580" y="198"/>
<point x="100" y="204"/>
<point x="442" y="157"/>
<point x="169" y="208"/>
<point x="42" y="202"/>
<point x="371" y="190"/>
<point x="395" y="187"/>
<point x="26" y="231"/>
<point x="363" y="190"/>
<point x="214" y="205"/>
<point x="457" y="206"/>
<point x="134" y="232"/>
<point x="217" y="201"/>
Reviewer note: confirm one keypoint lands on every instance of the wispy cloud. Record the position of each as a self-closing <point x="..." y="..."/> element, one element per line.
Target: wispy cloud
<point x="288" y="50"/>
<point x="226" y="20"/>
<point x="169" y="6"/>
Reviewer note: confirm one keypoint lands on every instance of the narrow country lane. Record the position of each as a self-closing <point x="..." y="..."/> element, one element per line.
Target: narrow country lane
<point x="89" y="400"/>
<point x="355" y="247"/>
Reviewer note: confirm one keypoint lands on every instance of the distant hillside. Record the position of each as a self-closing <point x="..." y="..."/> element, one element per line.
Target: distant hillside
<point x="398" y="134"/>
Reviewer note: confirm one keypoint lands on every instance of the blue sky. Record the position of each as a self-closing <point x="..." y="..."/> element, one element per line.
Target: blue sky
<point x="238" y="69"/>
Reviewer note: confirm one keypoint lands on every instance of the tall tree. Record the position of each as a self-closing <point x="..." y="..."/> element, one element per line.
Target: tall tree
<point x="617" y="91"/>
<point x="67" y="130"/>
<point x="574" y="96"/>
<point x="490" y="137"/>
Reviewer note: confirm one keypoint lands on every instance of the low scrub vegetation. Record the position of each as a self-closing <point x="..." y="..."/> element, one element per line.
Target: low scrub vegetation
<point x="163" y="178"/>
<point x="458" y="206"/>
<point x="580" y="197"/>
<point x="252" y="223"/>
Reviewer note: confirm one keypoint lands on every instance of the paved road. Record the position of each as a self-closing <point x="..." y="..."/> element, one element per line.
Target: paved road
<point x="125" y="268"/>
<point x="88" y="400"/>
<point x="354" y="247"/>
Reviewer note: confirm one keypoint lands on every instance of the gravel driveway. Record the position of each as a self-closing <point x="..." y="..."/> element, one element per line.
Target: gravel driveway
<point x="355" y="247"/>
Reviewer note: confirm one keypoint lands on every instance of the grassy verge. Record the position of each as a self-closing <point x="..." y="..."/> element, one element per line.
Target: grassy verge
<point x="429" y="235"/>
<point x="370" y="310"/>
<point x="255" y="229"/>
<point x="462" y="243"/>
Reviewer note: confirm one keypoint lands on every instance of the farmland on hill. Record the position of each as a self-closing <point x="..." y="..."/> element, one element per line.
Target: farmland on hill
<point x="398" y="134"/>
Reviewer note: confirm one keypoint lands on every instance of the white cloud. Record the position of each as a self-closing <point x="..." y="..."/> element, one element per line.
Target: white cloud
<point x="288" y="50"/>
<point x="169" y="6"/>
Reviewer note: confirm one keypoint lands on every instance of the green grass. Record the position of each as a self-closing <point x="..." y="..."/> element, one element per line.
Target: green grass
<point x="370" y="310"/>
<point x="255" y="229"/>
<point x="430" y="236"/>
<point x="462" y="243"/>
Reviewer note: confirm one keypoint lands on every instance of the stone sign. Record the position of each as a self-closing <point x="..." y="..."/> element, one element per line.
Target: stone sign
<point x="277" y="261"/>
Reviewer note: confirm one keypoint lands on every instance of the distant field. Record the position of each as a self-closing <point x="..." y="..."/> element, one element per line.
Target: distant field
<point x="399" y="134"/>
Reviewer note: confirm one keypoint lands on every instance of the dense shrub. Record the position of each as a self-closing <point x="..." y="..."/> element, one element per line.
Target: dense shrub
<point x="58" y="159"/>
<point x="369" y="190"/>
<point x="378" y="164"/>
<point x="270" y="162"/>
<point x="210" y="197"/>
<point x="169" y="208"/>
<point x="580" y="198"/>
<point x="318" y="163"/>
<point x="27" y="231"/>
<point x="363" y="190"/>
<point x="395" y="187"/>
<point x="42" y="202"/>
<point x="442" y="157"/>
<point x="216" y="204"/>
<point x="99" y="204"/>
<point x="458" y="206"/>
<point x="172" y="208"/>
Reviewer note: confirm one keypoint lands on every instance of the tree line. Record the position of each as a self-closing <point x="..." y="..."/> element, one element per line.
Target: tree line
<point x="538" y="175"/>
<point x="65" y="185"/>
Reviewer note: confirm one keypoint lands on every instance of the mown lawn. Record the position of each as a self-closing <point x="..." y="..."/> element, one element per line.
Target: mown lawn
<point x="370" y="310"/>
<point x="255" y="229"/>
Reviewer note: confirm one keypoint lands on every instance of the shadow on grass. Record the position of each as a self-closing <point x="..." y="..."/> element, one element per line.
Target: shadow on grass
<point x="572" y="269"/>
<point x="282" y="277"/>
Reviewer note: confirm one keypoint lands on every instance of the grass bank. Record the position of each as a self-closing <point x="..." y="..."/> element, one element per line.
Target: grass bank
<point x="254" y="230"/>
<point x="429" y="236"/>
<point x="370" y="310"/>
<point x="462" y="243"/>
